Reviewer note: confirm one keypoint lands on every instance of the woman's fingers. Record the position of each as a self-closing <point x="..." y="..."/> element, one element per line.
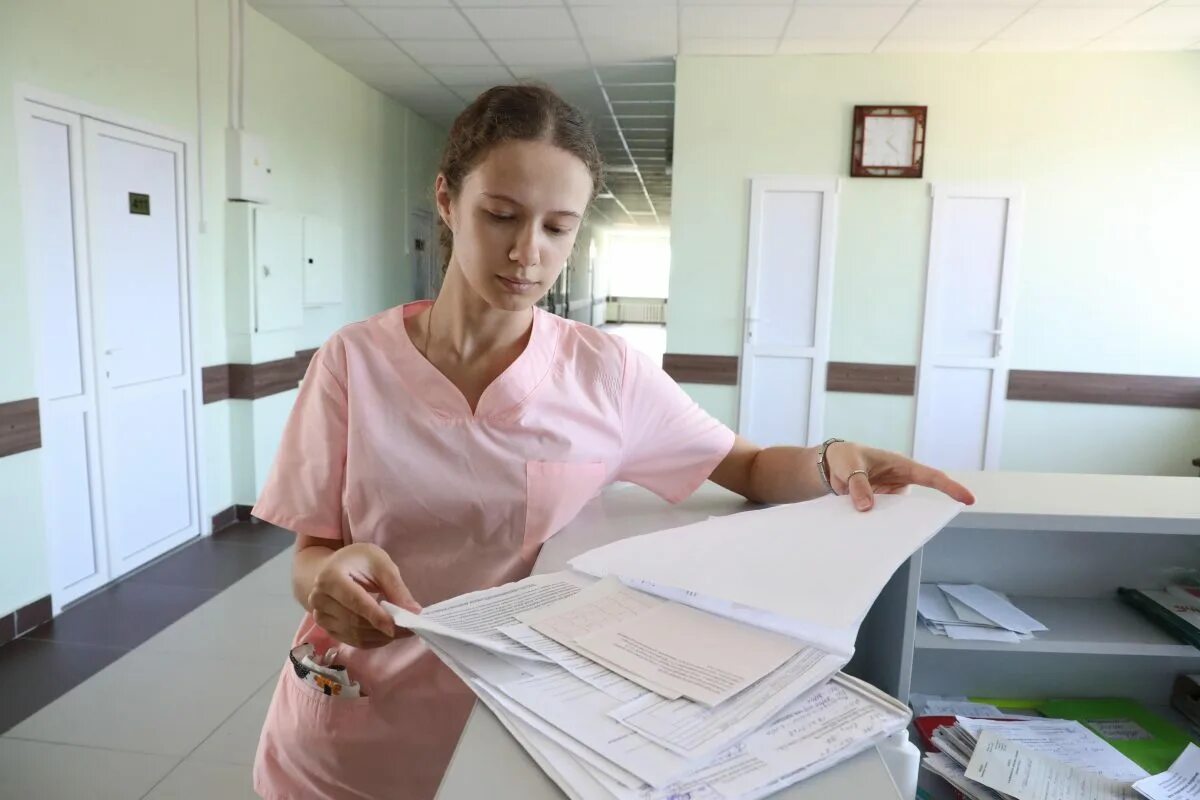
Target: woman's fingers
<point x="860" y="491"/>
<point x="358" y="600"/>
<point x="349" y="628"/>
<point x="386" y="576"/>
<point x="936" y="479"/>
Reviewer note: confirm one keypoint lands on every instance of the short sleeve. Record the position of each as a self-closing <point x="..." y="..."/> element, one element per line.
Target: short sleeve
<point x="670" y="445"/>
<point x="303" y="492"/>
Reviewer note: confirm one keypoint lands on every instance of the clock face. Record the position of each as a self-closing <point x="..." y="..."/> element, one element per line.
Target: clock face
<point x="888" y="141"/>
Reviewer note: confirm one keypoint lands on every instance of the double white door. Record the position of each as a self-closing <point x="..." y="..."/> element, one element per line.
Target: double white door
<point x="106" y="246"/>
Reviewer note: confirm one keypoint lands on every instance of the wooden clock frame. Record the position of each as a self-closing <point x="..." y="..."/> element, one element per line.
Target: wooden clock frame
<point x="919" y="115"/>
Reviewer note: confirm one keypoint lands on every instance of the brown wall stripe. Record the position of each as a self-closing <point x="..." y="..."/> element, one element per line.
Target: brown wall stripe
<point x="684" y="368"/>
<point x="214" y="383"/>
<point x="900" y="379"/>
<point x="20" y="427"/>
<point x="871" y="378"/>
<point x="303" y="357"/>
<point x="1091" y="387"/>
<point x="252" y="381"/>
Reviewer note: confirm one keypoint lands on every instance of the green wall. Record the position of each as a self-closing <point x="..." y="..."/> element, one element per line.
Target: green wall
<point x="340" y="149"/>
<point x="1107" y="147"/>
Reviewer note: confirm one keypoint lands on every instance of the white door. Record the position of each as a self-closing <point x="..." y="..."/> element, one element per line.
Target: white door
<point x="55" y="225"/>
<point x="138" y="254"/>
<point x="789" y="294"/>
<point x="427" y="262"/>
<point x="962" y="377"/>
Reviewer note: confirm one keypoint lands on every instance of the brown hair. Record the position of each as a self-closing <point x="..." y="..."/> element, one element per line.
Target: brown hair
<point x="527" y="112"/>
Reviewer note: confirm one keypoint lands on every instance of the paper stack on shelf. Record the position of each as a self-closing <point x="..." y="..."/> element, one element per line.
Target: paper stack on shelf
<point x="988" y="759"/>
<point x="701" y="661"/>
<point x="970" y="611"/>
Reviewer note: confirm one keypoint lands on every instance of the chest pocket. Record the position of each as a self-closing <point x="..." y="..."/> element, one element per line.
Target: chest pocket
<point x="555" y="493"/>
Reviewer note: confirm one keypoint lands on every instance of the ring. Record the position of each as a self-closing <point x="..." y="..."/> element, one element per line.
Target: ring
<point x="857" y="472"/>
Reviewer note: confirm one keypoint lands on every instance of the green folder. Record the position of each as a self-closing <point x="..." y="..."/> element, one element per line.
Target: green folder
<point x="1147" y="739"/>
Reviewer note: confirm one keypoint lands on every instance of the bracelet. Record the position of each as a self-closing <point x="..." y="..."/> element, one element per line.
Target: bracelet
<point x="822" y="467"/>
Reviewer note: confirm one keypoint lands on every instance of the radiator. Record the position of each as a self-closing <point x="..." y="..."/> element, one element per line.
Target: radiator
<point x="637" y="310"/>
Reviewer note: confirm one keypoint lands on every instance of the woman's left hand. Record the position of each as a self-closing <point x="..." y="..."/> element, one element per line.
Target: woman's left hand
<point x="863" y="472"/>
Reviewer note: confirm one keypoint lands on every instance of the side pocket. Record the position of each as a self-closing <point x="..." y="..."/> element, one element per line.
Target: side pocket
<point x="555" y="493"/>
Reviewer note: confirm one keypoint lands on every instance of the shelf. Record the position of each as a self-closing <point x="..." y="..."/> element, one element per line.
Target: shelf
<point x="1026" y="501"/>
<point x="1081" y="626"/>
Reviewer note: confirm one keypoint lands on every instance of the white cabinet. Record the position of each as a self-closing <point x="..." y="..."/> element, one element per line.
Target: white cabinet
<point x="278" y="273"/>
<point x="322" y="261"/>
<point x="278" y="263"/>
<point x="1059" y="546"/>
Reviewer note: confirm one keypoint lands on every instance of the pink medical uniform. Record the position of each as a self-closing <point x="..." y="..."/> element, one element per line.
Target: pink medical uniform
<point x="382" y="448"/>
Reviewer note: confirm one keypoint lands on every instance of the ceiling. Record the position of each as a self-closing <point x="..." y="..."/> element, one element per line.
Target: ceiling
<point x="615" y="59"/>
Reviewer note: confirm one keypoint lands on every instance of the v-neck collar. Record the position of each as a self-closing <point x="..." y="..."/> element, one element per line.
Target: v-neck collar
<point x="502" y="395"/>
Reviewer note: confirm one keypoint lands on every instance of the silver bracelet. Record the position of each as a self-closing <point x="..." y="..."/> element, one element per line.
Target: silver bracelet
<point x="822" y="467"/>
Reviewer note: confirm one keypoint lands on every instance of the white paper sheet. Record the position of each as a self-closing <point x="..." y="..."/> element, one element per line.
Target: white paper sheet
<point x="934" y="605"/>
<point x="980" y="634"/>
<point x="697" y="732"/>
<point x="640" y="680"/>
<point x="825" y="727"/>
<point x="700" y="656"/>
<point x="486" y="667"/>
<point x="941" y="764"/>
<point x="1028" y="774"/>
<point x="1180" y="782"/>
<point x="965" y="708"/>
<point x="580" y="666"/>
<point x="1065" y="740"/>
<point x="578" y="749"/>
<point x="786" y="561"/>
<point x="967" y="615"/>
<point x="575" y="777"/>
<point x="581" y="712"/>
<point x="605" y="603"/>
<point x="477" y="617"/>
<point x="992" y="606"/>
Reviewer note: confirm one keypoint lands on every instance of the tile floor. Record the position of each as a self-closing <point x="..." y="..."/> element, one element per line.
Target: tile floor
<point x="117" y="698"/>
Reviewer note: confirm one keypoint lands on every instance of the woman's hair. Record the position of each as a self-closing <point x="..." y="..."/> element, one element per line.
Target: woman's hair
<point x="528" y="112"/>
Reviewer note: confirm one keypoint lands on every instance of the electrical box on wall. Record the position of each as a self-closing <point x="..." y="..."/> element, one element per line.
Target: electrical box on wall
<point x="247" y="167"/>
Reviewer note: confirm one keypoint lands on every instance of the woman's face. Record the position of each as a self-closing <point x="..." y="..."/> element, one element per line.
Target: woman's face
<point x="515" y="220"/>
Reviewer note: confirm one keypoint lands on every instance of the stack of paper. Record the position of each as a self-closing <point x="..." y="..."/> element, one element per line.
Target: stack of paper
<point x="702" y="661"/>
<point x="1050" y="758"/>
<point x="970" y="611"/>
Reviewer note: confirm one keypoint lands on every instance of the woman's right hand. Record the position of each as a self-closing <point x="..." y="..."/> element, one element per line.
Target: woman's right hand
<point x="341" y="599"/>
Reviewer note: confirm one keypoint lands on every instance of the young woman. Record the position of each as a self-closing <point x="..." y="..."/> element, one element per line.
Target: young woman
<point x="434" y="447"/>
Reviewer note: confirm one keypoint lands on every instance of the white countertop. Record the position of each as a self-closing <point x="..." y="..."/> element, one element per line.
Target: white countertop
<point x="1063" y="501"/>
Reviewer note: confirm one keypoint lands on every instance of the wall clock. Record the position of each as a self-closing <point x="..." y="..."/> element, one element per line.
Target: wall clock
<point x="888" y="142"/>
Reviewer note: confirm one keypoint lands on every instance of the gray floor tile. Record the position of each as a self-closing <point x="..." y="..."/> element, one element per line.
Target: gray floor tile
<point x="248" y="634"/>
<point x="205" y="780"/>
<point x="164" y="703"/>
<point x="272" y="578"/>
<point x="41" y="771"/>
<point x="236" y="741"/>
<point x="35" y="673"/>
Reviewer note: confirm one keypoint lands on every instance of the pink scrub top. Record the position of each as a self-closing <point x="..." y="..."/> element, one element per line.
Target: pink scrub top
<point x="382" y="448"/>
